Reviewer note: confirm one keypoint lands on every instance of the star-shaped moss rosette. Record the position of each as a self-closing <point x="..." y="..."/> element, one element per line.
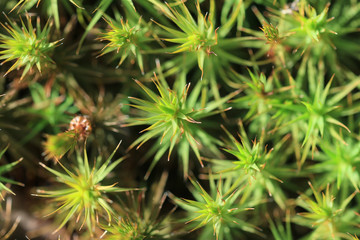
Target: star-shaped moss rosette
<point x="84" y="197"/>
<point x="259" y="95"/>
<point x="338" y="163"/>
<point x="321" y="30"/>
<point x="271" y="33"/>
<point x="316" y="114"/>
<point x="197" y="43"/>
<point x="306" y="27"/>
<point x="29" y="47"/>
<point x="126" y="38"/>
<point x="194" y="36"/>
<point x="174" y="121"/>
<point x="253" y="166"/>
<point x="329" y="216"/>
<point x="219" y="213"/>
<point x="274" y="40"/>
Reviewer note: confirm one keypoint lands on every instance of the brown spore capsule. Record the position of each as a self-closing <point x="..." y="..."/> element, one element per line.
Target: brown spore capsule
<point x="81" y="125"/>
